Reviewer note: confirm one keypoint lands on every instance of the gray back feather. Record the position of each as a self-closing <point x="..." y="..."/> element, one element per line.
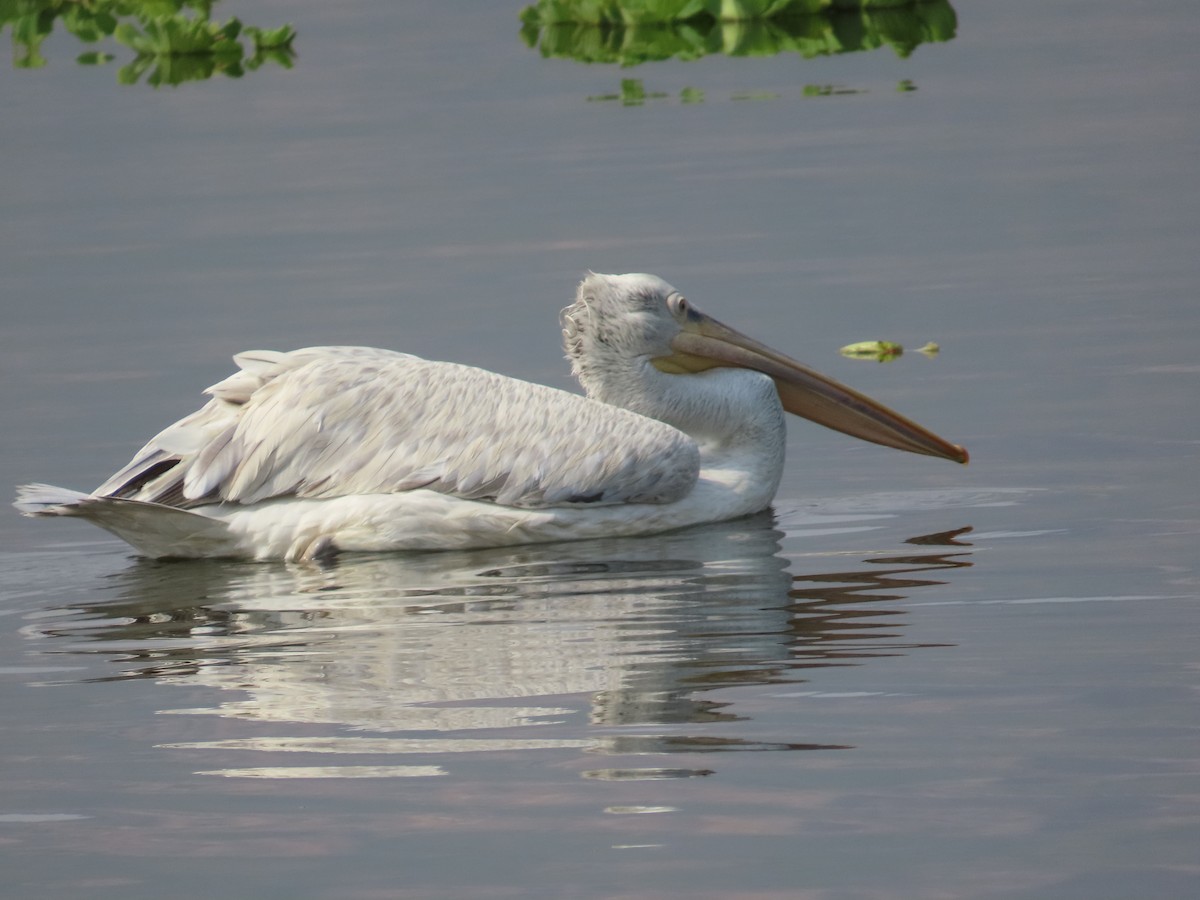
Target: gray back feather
<point x="338" y="421"/>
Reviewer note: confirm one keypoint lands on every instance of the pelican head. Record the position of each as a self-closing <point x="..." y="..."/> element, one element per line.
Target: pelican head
<point x="622" y="323"/>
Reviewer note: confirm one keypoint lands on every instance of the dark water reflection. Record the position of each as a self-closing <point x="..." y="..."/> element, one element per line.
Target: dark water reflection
<point x="612" y="647"/>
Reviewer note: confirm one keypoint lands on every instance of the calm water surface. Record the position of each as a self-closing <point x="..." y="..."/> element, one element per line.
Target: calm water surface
<point x="909" y="680"/>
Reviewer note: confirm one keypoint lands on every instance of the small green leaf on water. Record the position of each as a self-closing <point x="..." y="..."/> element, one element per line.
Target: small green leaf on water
<point x="829" y="90"/>
<point x="755" y="95"/>
<point x="271" y="38"/>
<point x="881" y="351"/>
<point x="93" y="59"/>
<point x="931" y="349"/>
<point x="632" y="91"/>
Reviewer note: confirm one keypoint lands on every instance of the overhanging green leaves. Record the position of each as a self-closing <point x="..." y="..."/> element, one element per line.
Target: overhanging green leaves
<point x="629" y="32"/>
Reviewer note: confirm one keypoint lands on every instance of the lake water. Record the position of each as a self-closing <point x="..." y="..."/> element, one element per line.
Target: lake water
<point x="912" y="679"/>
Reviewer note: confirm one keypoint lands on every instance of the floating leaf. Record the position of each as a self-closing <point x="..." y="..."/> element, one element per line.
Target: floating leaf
<point x="272" y="38"/>
<point x="931" y="349"/>
<point x="880" y="351"/>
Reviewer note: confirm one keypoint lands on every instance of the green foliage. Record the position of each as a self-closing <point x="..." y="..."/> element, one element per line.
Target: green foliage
<point x="629" y="32"/>
<point x="180" y="36"/>
<point x="174" y="40"/>
<point x="643" y="12"/>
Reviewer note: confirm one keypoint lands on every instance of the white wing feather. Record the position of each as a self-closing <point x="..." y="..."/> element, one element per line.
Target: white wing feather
<point x="338" y="421"/>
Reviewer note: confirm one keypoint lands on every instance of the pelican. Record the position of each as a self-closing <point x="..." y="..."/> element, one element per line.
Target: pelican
<point x="303" y="454"/>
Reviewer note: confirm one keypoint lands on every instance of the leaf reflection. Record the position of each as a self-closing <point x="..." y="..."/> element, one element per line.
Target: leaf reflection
<point x="621" y="647"/>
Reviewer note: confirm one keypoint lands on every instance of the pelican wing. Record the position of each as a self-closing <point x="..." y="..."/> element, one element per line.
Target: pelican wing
<point x="337" y="421"/>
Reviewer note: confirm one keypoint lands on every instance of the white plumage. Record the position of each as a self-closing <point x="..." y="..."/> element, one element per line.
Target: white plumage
<point x="302" y="454"/>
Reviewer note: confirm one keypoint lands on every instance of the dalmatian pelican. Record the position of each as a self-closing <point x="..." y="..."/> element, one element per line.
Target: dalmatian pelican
<point x="303" y="454"/>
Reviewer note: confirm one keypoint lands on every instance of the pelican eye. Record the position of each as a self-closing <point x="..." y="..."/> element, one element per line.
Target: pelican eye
<point x="679" y="306"/>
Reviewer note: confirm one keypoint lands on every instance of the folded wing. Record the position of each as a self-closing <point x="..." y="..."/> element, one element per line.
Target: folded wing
<point x="336" y="421"/>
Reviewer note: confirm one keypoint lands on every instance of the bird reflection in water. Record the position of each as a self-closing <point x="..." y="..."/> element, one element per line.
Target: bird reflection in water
<point x="620" y="646"/>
